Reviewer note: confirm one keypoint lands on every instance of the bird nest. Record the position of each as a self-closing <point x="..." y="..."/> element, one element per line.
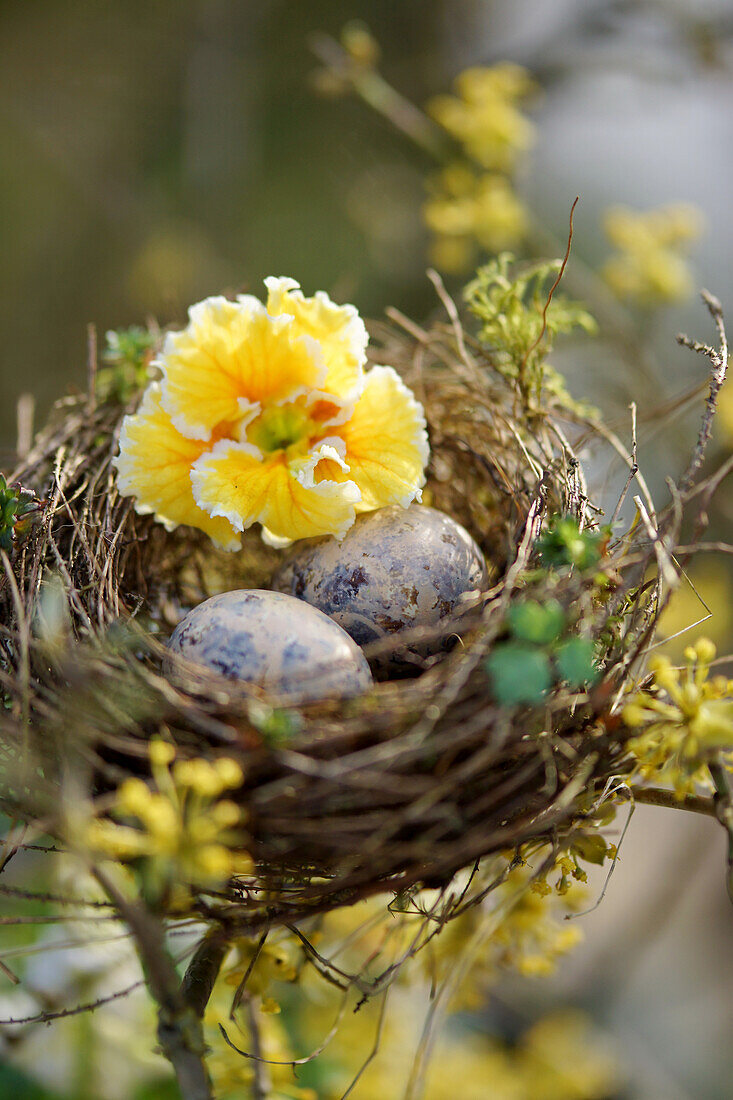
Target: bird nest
<point x="418" y="778"/>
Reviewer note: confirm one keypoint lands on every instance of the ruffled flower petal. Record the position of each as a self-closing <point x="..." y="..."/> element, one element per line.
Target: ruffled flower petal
<point x="235" y="482"/>
<point x="154" y="465"/>
<point x="339" y="330"/>
<point x="265" y="415"/>
<point x="231" y="357"/>
<point x="386" y="443"/>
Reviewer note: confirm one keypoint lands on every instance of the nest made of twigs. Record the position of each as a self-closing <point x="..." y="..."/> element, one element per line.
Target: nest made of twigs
<point x="419" y="778"/>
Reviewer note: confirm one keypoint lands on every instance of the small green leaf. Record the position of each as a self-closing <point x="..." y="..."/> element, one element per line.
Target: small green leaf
<point x="519" y="673"/>
<point x="575" y="661"/>
<point x="531" y="621"/>
<point x="276" y="725"/>
<point x="563" y="543"/>
<point x="591" y="847"/>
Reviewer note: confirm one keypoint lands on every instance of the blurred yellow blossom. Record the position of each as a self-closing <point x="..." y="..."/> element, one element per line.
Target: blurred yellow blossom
<point x="466" y="211"/>
<point x="560" y="1057"/>
<point x="649" y="267"/>
<point x="265" y="415"/>
<point x="180" y="832"/>
<point x="684" y="718"/>
<point x="485" y="117"/>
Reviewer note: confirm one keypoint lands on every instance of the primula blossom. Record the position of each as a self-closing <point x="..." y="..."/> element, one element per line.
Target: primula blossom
<point x="265" y="414"/>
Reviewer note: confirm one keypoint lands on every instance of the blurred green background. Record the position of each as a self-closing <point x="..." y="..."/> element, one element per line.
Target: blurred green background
<point x="157" y="152"/>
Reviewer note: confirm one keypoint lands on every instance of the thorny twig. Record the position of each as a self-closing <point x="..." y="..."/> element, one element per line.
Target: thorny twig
<point x="719" y="359"/>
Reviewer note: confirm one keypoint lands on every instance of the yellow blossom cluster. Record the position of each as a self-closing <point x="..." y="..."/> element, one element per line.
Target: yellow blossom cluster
<point x="468" y="209"/>
<point x="555" y="1059"/>
<point x="649" y="267"/>
<point x="529" y="939"/>
<point x="684" y="719"/>
<point x="180" y="832"/>
<point x="484" y="116"/>
<point x="265" y="415"/>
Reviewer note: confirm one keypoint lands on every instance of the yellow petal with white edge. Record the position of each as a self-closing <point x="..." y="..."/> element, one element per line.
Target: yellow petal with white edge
<point x="236" y="483"/>
<point x="231" y="358"/>
<point x="154" y="466"/>
<point x="339" y="331"/>
<point x="386" y="442"/>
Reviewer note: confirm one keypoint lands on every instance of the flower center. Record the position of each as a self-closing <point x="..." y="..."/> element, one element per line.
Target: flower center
<point x="279" y="427"/>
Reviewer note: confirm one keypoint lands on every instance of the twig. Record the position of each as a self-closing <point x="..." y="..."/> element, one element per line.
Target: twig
<point x="179" y="1025"/>
<point x="719" y="360"/>
<point x="255" y="1056"/>
<point x="661" y="796"/>
<point x="371" y="86"/>
<point x="77" y="1010"/>
<point x="450" y="308"/>
<point x="260" y="1084"/>
<point x="239" y="992"/>
<point x="633" y="468"/>
<point x="203" y="970"/>
<point x="375" y="1048"/>
<point x="553" y="288"/>
<point x="724" y="813"/>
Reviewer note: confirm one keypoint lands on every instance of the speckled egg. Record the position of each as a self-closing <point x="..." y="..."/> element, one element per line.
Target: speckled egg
<point x="275" y="642"/>
<point x="396" y="569"/>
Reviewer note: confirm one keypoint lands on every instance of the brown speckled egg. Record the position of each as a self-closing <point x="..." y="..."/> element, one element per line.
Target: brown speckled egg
<point x="275" y="642"/>
<point x="396" y="569"/>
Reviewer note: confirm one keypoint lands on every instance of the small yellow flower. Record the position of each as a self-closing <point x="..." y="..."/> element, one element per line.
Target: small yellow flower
<point x="265" y="415"/>
<point x="484" y="116"/>
<point x="684" y="719"/>
<point x="649" y="267"/>
<point x="466" y="210"/>
<point x="179" y="831"/>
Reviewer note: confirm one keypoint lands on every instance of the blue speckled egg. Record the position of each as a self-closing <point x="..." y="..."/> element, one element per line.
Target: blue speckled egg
<point x="275" y="642"/>
<point x="395" y="570"/>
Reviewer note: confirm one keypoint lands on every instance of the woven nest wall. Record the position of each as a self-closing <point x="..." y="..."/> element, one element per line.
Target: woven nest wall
<point x="422" y="776"/>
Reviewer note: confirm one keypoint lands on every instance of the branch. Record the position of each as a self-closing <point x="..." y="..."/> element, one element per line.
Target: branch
<point x="724" y="813"/>
<point x="374" y="90"/>
<point x="203" y="970"/>
<point x="660" y="796"/>
<point x="179" y="1023"/>
<point x="719" y="359"/>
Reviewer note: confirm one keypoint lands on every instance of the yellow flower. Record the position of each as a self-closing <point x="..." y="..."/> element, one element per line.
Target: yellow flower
<point x="178" y="830"/>
<point x="265" y="415"/>
<point x="649" y="267"/>
<point x="484" y="116"/>
<point x="684" y="719"/>
<point x="466" y="210"/>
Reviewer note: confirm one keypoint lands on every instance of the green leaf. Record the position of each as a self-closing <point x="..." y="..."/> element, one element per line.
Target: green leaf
<point x="591" y="847"/>
<point x="575" y="661"/>
<point x="510" y="301"/>
<point x="563" y="543"/>
<point x="531" y="621"/>
<point x="277" y="725"/>
<point x="519" y="673"/>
